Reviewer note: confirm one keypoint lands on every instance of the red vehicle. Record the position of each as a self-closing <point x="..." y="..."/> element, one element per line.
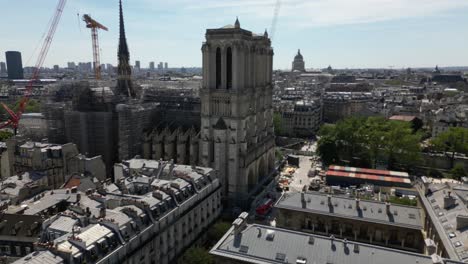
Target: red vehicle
<point x="264" y="207"/>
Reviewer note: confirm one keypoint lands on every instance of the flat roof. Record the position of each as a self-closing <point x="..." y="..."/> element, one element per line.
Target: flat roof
<point x="368" y="177"/>
<point x="287" y="246"/>
<point x="370" y="171"/>
<point x="370" y="211"/>
<point x="445" y="220"/>
<point x="40" y="257"/>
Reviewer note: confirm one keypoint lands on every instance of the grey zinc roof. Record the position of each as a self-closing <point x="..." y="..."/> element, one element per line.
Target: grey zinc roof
<point x="40" y="257"/>
<point x="287" y="246"/>
<point x="371" y="211"/>
<point x="445" y="220"/>
<point x="64" y="224"/>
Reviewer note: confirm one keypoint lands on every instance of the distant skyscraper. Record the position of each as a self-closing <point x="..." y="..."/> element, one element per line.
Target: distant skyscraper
<point x="14" y="65"/>
<point x="2" y="67"/>
<point x="298" y="63"/>
<point x="71" y="65"/>
<point x="151" y="65"/>
<point x="160" y="66"/>
<point x="166" y="65"/>
<point x="56" y="68"/>
<point x="137" y="65"/>
<point x="124" y="83"/>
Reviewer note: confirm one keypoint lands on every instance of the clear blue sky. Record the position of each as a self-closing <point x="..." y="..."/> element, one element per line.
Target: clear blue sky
<point x="341" y="33"/>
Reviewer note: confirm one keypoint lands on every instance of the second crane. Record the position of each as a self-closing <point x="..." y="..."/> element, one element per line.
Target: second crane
<point x="95" y="26"/>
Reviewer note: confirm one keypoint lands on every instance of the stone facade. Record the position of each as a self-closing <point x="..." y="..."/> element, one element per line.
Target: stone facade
<point x="151" y="214"/>
<point x="369" y="227"/>
<point x="303" y="120"/>
<point x="337" y="106"/>
<point x="236" y="135"/>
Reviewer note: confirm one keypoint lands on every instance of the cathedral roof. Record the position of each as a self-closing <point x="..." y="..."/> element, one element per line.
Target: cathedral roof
<point x="220" y="125"/>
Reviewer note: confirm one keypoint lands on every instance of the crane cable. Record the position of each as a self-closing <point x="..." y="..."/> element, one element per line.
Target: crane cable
<point x="275" y="19"/>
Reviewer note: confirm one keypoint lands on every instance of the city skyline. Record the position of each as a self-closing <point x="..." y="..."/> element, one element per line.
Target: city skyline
<point x="343" y="34"/>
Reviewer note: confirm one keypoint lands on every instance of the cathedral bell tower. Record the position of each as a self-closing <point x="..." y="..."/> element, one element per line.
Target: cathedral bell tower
<point x="237" y="137"/>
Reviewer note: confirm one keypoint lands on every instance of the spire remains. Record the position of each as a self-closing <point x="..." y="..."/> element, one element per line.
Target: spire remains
<point x="124" y="84"/>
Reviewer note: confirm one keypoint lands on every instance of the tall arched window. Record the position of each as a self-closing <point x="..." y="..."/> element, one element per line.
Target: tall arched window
<point x="229" y="68"/>
<point x="218" y="68"/>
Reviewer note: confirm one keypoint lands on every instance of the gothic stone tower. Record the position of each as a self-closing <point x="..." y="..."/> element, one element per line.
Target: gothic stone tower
<point x="237" y="136"/>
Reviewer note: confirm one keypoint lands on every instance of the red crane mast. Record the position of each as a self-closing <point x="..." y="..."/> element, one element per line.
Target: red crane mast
<point x="14" y="119"/>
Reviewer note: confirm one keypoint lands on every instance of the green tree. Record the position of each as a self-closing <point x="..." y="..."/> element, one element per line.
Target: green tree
<point x="401" y="145"/>
<point x="365" y="141"/>
<point x="327" y="148"/>
<point x="33" y="106"/>
<point x="4" y="135"/>
<point x="196" y="255"/>
<point x="452" y="141"/>
<point x="372" y="133"/>
<point x="217" y="231"/>
<point x="278" y="123"/>
<point x="458" y="171"/>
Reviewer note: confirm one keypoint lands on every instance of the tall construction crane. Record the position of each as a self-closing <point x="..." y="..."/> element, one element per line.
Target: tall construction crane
<point x="14" y="119"/>
<point x="95" y="26"/>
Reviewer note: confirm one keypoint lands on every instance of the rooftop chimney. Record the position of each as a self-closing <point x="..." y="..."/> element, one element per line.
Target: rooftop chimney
<point x="102" y="212"/>
<point x="329" y="200"/>
<point x="358" y="206"/>
<point x="387" y="205"/>
<point x="449" y="201"/>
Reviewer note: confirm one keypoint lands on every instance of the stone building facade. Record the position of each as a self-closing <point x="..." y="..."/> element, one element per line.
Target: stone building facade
<point x="340" y="105"/>
<point x="152" y="213"/>
<point x="377" y="223"/>
<point x="236" y="134"/>
<point x="301" y="120"/>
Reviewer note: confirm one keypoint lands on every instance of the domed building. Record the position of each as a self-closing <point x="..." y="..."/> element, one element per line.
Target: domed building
<point x="298" y="63"/>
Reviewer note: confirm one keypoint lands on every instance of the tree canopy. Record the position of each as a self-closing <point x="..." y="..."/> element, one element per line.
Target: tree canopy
<point x="368" y="141"/>
<point x="458" y="172"/>
<point x="196" y="255"/>
<point x="4" y="135"/>
<point x="452" y="141"/>
<point x="278" y="123"/>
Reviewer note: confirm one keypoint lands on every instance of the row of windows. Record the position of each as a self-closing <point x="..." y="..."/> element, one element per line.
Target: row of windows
<point x="14" y="250"/>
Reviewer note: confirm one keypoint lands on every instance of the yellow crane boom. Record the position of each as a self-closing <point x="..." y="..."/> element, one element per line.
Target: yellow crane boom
<point x="95" y="26"/>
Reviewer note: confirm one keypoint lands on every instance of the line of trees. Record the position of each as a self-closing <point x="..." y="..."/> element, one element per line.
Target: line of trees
<point x="367" y="142"/>
<point x="451" y="142"/>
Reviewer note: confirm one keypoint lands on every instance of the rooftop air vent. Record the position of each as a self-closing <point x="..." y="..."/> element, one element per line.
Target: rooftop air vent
<point x="280" y="257"/>
<point x="311" y="240"/>
<point x="356" y="248"/>
<point x="244" y="249"/>
<point x="301" y="260"/>
<point x="270" y="235"/>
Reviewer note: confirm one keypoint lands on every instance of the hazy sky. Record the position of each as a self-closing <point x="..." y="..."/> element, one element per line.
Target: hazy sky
<point x="341" y="33"/>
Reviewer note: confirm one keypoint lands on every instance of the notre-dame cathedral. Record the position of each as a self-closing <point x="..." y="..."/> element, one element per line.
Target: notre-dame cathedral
<point x="235" y="133"/>
<point x="228" y="126"/>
